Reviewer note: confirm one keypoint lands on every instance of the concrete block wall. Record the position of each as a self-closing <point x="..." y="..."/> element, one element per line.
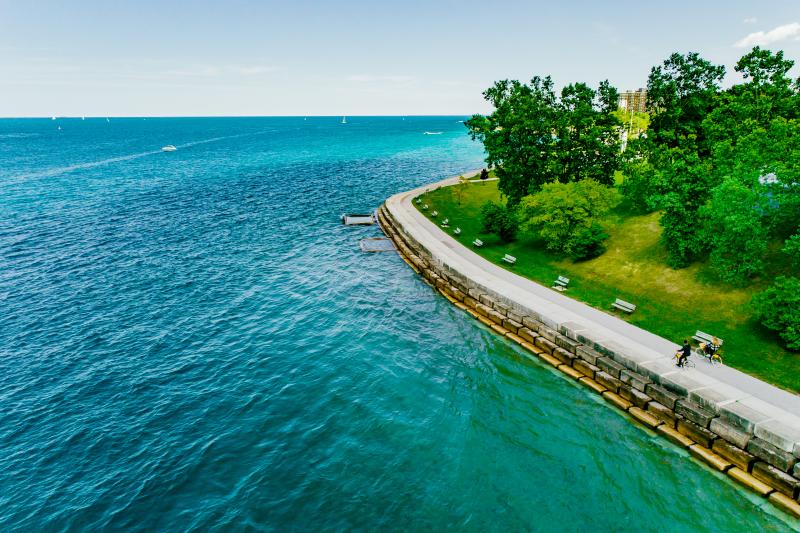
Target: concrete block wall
<point x="733" y="433"/>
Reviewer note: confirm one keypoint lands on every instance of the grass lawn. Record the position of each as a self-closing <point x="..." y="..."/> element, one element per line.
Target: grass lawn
<point x="671" y="303"/>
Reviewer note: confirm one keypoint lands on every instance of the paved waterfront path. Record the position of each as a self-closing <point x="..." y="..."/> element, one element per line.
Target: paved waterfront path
<point x="451" y="252"/>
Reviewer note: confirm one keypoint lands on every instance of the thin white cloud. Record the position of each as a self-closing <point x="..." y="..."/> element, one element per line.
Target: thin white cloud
<point x="761" y="38"/>
<point x="750" y="20"/>
<point x="254" y="70"/>
<point x="215" y="71"/>
<point x="370" y="78"/>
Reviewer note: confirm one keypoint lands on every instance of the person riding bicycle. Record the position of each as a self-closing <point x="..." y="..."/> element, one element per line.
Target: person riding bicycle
<point x="684" y="352"/>
<point x="710" y="348"/>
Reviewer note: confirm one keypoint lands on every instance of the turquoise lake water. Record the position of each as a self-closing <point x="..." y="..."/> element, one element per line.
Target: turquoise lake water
<point x="192" y="341"/>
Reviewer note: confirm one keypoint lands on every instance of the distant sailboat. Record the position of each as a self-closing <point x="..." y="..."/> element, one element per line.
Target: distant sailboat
<point x="344" y="120"/>
<point x="83" y="117"/>
<point x="53" y="117"/>
<point x="107" y="120"/>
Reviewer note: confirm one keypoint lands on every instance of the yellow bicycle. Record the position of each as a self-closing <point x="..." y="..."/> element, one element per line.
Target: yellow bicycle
<point x="710" y="351"/>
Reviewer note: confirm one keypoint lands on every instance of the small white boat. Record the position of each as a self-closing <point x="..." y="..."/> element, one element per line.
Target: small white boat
<point x="433" y="133"/>
<point x="168" y="148"/>
<point x="344" y="120"/>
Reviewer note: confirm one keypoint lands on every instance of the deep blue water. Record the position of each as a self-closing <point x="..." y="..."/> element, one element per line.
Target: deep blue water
<point x="192" y="341"/>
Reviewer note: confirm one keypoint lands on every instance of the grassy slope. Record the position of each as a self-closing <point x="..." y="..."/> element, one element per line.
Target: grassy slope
<point x="671" y="303"/>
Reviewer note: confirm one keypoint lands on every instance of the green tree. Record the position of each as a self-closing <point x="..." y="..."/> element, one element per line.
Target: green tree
<point x="778" y="308"/>
<point x="680" y="93"/>
<point x="687" y="182"/>
<point x="792" y="248"/>
<point x="532" y="137"/>
<point x="736" y="230"/>
<point x="642" y="183"/>
<point x="588" y="145"/>
<point x="518" y="134"/>
<point x="567" y="215"/>
<point x="501" y="220"/>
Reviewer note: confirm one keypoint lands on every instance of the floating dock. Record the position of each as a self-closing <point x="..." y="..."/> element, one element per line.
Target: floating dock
<point x="377" y="244"/>
<point x="359" y="219"/>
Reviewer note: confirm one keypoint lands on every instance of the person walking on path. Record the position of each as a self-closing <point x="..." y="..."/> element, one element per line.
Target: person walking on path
<point x="684" y="352"/>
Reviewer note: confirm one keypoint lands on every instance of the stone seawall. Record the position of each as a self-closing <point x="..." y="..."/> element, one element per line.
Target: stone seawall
<point x="752" y="441"/>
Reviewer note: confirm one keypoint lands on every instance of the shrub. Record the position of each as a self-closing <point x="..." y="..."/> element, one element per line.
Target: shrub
<point x="735" y="229"/>
<point x="588" y="242"/>
<point x="566" y="216"/>
<point x="792" y="248"/>
<point x="642" y="187"/>
<point x="499" y="219"/>
<point x="484" y="174"/>
<point x="778" y="308"/>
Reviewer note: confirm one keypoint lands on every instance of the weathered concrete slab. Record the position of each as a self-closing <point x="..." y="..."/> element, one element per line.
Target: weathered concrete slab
<point x="610" y="366"/>
<point x="694" y="412"/>
<point x="750" y="482"/>
<point x="587" y="369"/>
<point x="617" y="400"/>
<point x="789" y="505"/>
<point x="571" y="372"/>
<point x="607" y="380"/>
<point x="662" y="395"/>
<point x="734" y="454"/>
<point x="710" y="458"/>
<point x="592" y="384"/>
<point x="664" y="413"/>
<point x="697" y="433"/>
<point x="716" y="396"/>
<point x="784" y="433"/>
<point x="644" y="417"/>
<point x="657" y="370"/>
<point x="776" y="478"/>
<point x="729" y="433"/>
<point x="635" y="396"/>
<point x="588" y="354"/>
<point x="771" y="454"/>
<point x="677" y="438"/>
<point x="743" y="416"/>
<point x="686" y="381"/>
<point x="635" y="380"/>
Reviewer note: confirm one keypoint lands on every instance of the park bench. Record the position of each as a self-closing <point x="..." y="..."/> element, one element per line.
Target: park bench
<point x="435" y="214"/>
<point x="457" y="231"/>
<point x="561" y="283"/>
<point x="445" y="222"/>
<point x="622" y="305"/>
<point x="418" y="200"/>
<point x="478" y="243"/>
<point x="699" y="336"/>
<point x="424" y="207"/>
<point x="510" y="259"/>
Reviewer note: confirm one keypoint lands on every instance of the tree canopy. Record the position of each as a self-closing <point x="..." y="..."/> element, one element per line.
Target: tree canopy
<point x="534" y="137"/>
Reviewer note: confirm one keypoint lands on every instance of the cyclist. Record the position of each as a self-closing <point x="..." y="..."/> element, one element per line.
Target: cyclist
<point x="684" y="352"/>
<point x="710" y="348"/>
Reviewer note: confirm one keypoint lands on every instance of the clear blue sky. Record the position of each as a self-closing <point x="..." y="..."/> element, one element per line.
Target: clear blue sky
<point x="348" y="58"/>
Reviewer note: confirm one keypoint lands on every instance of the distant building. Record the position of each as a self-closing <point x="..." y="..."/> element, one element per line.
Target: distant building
<point x="633" y="100"/>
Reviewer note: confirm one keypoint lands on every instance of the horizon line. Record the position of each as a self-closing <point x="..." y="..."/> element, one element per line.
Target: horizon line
<point x="50" y="117"/>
